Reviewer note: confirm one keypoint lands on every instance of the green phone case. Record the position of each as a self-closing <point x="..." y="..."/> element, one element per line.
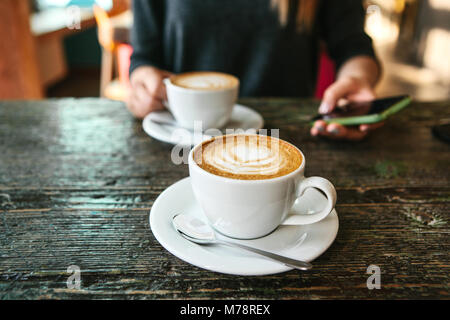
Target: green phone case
<point x="372" y="118"/>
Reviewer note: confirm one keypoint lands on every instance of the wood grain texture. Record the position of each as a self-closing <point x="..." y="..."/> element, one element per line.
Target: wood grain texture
<point x="79" y="176"/>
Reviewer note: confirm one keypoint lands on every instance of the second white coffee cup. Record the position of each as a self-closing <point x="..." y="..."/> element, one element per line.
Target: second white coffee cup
<point x="191" y="107"/>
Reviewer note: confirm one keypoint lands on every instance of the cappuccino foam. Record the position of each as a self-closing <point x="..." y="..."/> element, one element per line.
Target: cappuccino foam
<point x="247" y="157"/>
<point x="205" y="80"/>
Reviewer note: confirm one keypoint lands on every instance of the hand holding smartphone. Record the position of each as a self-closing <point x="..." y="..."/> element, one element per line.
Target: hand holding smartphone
<point x="357" y="113"/>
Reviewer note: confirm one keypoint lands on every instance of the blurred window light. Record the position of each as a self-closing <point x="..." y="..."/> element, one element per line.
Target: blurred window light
<point x="440" y="4"/>
<point x="373" y="9"/>
<point x="436" y="52"/>
<point x="45" y="4"/>
<point x="388" y="5"/>
<point x="379" y="26"/>
<point x="53" y="3"/>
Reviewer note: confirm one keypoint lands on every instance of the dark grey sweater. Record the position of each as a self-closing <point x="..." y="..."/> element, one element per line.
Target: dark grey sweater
<point x="245" y="38"/>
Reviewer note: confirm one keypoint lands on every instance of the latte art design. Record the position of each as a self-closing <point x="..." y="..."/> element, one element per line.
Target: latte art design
<point x="243" y="158"/>
<point x="205" y="80"/>
<point x="248" y="157"/>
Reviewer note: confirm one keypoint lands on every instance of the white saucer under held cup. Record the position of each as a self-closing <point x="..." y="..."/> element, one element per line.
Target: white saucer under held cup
<point x="302" y="242"/>
<point x="242" y="118"/>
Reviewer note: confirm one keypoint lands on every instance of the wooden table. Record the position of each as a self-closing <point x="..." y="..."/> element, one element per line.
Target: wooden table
<point x="78" y="178"/>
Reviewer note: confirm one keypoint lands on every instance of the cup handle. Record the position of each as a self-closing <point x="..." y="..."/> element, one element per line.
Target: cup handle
<point x="323" y="185"/>
<point x="165" y="103"/>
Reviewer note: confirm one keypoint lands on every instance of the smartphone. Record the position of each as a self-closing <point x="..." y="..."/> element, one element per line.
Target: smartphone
<point x="356" y="113"/>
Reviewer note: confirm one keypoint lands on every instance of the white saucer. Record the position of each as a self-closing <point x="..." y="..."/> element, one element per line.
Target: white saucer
<point x="299" y="242"/>
<point x="242" y="117"/>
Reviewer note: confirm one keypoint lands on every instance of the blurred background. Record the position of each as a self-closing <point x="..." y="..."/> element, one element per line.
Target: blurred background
<point x="80" y="48"/>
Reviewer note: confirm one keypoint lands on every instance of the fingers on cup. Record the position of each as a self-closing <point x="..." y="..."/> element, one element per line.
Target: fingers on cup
<point x="141" y="102"/>
<point x="156" y="88"/>
<point x="148" y="102"/>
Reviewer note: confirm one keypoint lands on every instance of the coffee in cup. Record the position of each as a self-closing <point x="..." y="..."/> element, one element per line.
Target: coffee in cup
<point x="205" y="80"/>
<point x="248" y="157"/>
<point x="205" y="98"/>
<point x="247" y="184"/>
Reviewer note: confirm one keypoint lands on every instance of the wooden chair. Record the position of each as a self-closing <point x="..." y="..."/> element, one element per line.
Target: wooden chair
<point x="113" y="35"/>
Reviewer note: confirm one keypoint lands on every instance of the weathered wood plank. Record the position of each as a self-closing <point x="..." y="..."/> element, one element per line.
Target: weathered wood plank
<point x="107" y="198"/>
<point x="117" y="252"/>
<point x="63" y="133"/>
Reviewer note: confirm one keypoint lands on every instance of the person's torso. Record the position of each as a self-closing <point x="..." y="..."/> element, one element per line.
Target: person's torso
<point x="243" y="38"/>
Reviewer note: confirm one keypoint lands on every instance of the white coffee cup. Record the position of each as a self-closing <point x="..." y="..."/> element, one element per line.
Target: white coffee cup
<point x="189" y="106"/>
<point x="247" y="209"/>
